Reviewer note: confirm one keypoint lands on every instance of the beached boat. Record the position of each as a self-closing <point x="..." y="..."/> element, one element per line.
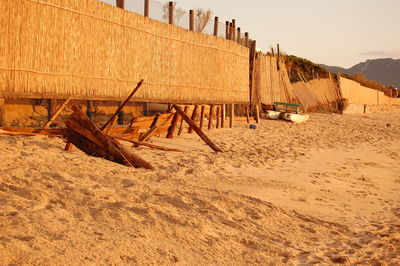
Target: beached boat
<point x="273" y="114"/>
<point x="296" y="118"/>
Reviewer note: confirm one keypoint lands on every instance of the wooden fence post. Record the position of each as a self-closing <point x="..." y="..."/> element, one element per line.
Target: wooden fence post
<point x="217" y="116"/>
<point x="232" y="117"/>
<point x="246" y="39"/>
<point x="257" y="114"/>
<point x="2" y="112"/>
<point x="227" y="30"/>
<point x="210" y="117"/>
<point x="172" y="127"/>
<point x="239" y="40"/>
<point x="194" y="117"/>
<point x="146" y="8"/>
<point x="51" y="108"/>
<point x="252" y="63"/>
<point x="234" y="30"/>
<point x="121" y="4"/>
<point x="279" y="57"/>
<point x="203" y="108"/>
<point x="185" y="110"/>
<point x="216" y="26"/>
<point x="247" y="114"/>
<point x="230" y="30"/>
<point x="171" y="12"/>
<point x="223" y="113"/>
<point x="191" y="20"/>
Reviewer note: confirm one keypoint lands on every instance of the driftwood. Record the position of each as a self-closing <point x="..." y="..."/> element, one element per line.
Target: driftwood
<point x="85" y="135"/>
<point x="153" y="146"/>
<point x="196" y="129"/>
<point x="32" y="132"/>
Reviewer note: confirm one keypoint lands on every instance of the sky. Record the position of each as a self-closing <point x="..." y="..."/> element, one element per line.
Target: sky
<point x="337" y="33"/>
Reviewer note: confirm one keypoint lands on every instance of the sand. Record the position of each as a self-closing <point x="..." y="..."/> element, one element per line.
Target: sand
<point x="323" y="192"/>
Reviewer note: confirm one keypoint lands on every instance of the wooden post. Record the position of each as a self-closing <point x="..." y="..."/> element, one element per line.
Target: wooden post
<point x="172" y="127"/>
<point x="203" y="108"/>
<point x="2" y="112"/>
<point x="272" y="51"/>
<point x="197" y="129"/>
<point x="223" y="114"/>
<point x="171" y="12"/>
<point x="57" y="113"/>
<point x="230" y="30"/>
<point x="89" y="108"/>
<point x="194" y="117"/>
<point x="238" y="39"/>
<point x="146" y="8"/>
<point x="246" y="39"/>
<point x="216" y="26"/>
<point x="251" y="70"/>
<point x="121" y="4"/>
<point x="217" y="117"/>
<point x="257" y="114"/>
<point x="185" y="110"/>
<point x="279" y="56"/>
<point x="51" y="107"/>
<point x="191" y="20"/>
<point x="247" y="115"/>
<point x="233" y="29"/>
<point x="232" y="117"/>
<point x="123" y="104"/>
<point x="121" y="115"/>
<point x="210" y="117"/>
<point x="227" y="30"/>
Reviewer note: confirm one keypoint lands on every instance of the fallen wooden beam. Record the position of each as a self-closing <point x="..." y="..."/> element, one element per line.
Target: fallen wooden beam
<point x="153" y="146"/>
<point x="33" y="132"/>
<point x="85" y="135"/>
<point x="57" y="113"/>
<point x="196" y="129"/>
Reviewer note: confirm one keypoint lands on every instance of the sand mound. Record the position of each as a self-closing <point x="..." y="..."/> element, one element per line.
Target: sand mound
<point x="321" y="192"/>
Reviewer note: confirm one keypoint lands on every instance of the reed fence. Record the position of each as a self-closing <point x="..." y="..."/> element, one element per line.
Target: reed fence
<point x="91" y="49"/>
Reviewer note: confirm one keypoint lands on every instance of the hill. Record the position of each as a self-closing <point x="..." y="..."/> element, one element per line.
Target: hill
<point x="384" y="70"/>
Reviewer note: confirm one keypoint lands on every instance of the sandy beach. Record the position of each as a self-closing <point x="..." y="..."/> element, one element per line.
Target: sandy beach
<point x="323" y="192"/>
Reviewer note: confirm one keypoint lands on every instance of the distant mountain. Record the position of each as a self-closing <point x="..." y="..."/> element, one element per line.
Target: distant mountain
<point x="385" y="70"/>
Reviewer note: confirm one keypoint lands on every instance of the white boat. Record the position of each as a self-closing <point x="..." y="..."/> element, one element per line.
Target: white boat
<point x="273" y="114"/>
<point x="296" y="118"/>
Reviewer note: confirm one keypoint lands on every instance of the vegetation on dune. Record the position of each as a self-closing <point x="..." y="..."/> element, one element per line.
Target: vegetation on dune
<point x="298" y="66"/>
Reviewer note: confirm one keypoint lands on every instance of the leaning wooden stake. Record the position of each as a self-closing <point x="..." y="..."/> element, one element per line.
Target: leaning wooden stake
<point x="172" y="127"/>
<point x="123" y="104"/>
<point x="57" y="113"/>
<point x="197" y="129"/>
<point x="153" y="128"/>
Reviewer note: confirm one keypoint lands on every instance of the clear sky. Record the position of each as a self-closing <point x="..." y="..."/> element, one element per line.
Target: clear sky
<point x="340" y="32"/>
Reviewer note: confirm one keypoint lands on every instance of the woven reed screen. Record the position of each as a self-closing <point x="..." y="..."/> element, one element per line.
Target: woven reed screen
<point x="271" y="84"/>
<point x="317" y="93"/>
<point x="88" y="48"/>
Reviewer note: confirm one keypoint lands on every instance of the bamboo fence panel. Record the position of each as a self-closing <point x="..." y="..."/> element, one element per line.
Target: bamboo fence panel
<point x="271" y="84"/>
<point x="317" y="94"/>
<point x="89" y="48"/>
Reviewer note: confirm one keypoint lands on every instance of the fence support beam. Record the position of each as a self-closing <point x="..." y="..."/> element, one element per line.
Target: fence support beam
<point x="216" y="19"/>
<point x="146" y="8"/>
<point x="246" y="39"/>
<point x="121" y="4"/>
<point x="203" y="108"/>
<point x="194" y="117"/>
<point x="233" y="29"/>
<point x="232" y="117"/>
<point x="279" y="56"/>
<point x="171" y="12"/>
<point x="238" y="36"/>
<point x="227" y="30"/>
<point x="210" y="117"/>
<point x="191" y="20"/>
<point x="223" y="115"/>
